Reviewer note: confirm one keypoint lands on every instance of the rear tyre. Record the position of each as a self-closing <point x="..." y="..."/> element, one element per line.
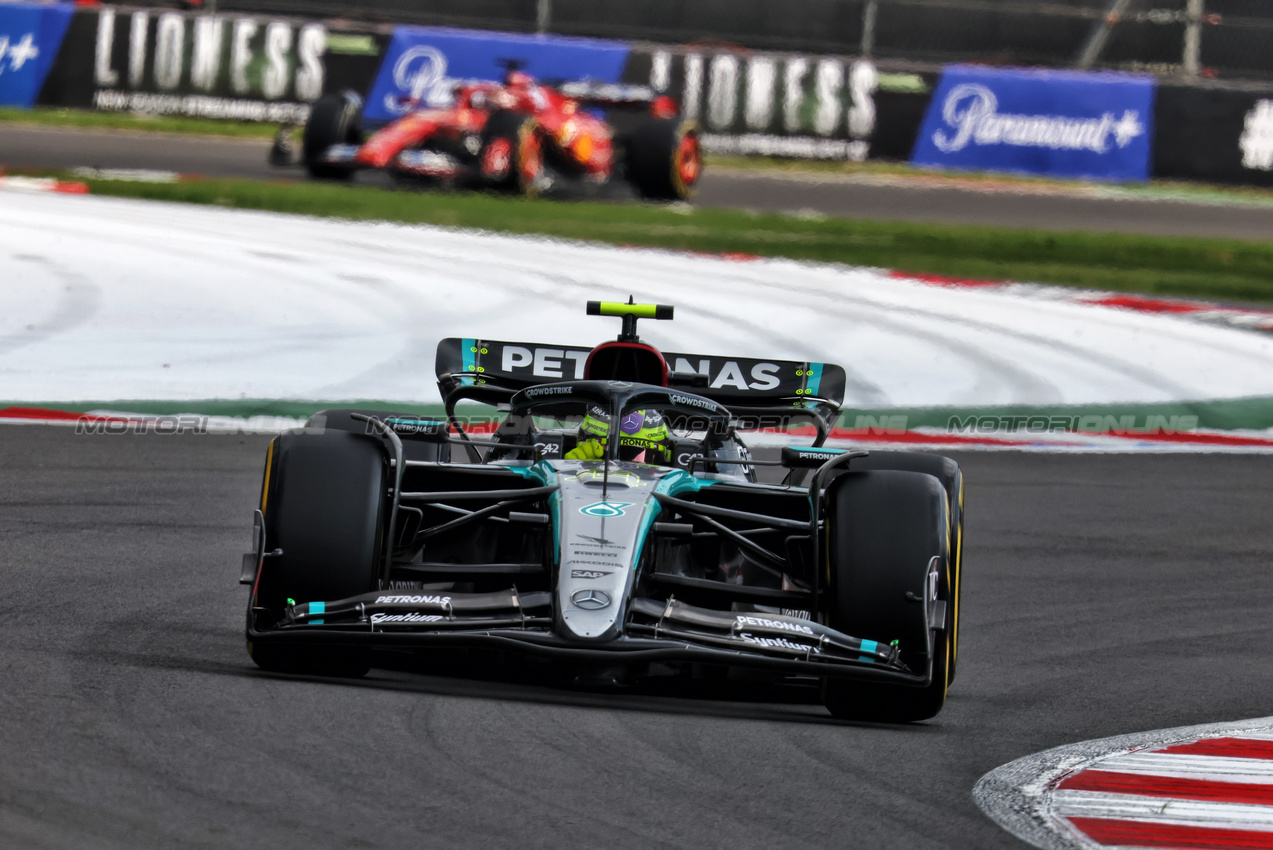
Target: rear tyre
<point x="883" y="529"/>
<point x="511" y="157"/>
<point x="333" y="120"/>
<point x="664" y="159"/>
<point x="951" y="477"/>
<point x="323" y="503"/>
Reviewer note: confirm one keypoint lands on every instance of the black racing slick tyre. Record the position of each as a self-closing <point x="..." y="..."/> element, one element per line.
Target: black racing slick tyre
<point x="323" y="498"/>
<point x="884" y="527"/>
<point x="951" y="477"/>
<point x="511" y="157"/>
<point x="664" y="159"/>
<point x="334" y="119"/>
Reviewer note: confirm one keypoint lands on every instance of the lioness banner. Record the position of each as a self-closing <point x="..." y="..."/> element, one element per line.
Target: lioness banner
<point x="216" y="66"/>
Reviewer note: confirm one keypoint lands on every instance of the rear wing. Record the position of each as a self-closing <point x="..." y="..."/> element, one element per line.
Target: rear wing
<point x="491" y="371"/>
<point x="593" y="93"/>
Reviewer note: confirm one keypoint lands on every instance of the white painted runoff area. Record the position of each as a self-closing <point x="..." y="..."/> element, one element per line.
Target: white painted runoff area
<point x="116" y="299"/>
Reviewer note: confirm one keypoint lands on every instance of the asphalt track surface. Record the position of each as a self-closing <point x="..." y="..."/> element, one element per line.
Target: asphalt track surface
<point x="1104" y="594"/>
<point x="25" y="146"/>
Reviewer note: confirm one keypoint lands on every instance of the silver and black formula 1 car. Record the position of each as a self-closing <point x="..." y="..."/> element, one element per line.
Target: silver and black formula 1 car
<point x="383" y="530"/>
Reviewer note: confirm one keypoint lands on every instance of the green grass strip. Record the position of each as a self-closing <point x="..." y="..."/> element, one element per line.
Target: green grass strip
<point x="907" y="174"/>
<point x="1225" y="270"/>
<point x="54" y="117"/>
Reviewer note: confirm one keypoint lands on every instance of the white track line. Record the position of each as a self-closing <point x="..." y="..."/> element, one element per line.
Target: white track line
<point x="1212" y="768"/>
<point x="1161" y="810"/>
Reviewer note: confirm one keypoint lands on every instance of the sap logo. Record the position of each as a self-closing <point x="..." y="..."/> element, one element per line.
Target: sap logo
<point x="544" y="362"/>
<point x="730" y="374"/>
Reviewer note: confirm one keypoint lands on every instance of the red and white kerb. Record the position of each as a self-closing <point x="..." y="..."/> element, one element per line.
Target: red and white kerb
<point x="1196" y="787"/>
<point x="1213" y="792"/>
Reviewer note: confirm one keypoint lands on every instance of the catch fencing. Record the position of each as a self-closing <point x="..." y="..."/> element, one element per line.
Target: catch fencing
<point x="847" y="104"/>
<point x="1191" y="38"/>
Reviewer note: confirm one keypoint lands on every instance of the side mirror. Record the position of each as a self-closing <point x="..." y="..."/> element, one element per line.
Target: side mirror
<point x="696" y="380"/>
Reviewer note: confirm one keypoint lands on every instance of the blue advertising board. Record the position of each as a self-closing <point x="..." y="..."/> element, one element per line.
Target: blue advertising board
<point x="30" y="37"/>
<point x="426" y="63"/>
<point x="1061" y="123"/>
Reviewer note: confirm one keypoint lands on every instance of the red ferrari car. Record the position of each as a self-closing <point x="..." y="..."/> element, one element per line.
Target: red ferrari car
<point x="519" y="136"/>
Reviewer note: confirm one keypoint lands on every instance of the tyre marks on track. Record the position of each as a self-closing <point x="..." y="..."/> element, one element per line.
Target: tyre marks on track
<point x="76" y="303"/>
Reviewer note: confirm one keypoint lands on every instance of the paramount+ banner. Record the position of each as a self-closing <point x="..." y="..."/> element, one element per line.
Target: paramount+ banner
<point x="30" y="37"/>
<point x="1059" y="123"/>
<point x="238" y="67"/>
<point x="424" y="65"/>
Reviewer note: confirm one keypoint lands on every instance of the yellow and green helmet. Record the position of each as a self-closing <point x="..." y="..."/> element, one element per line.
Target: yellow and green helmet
<point x="643" y="436"/>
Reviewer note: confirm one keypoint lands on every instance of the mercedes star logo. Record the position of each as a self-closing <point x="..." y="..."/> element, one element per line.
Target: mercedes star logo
<point x="590" y="599"/>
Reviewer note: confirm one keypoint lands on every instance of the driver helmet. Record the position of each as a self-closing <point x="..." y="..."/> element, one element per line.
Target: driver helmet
<point x="518" y="79"/>
<point x="643" y="436"/>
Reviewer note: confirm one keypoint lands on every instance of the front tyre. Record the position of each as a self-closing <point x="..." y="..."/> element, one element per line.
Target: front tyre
<point x="951" y="477"/>
<point x="883" y="530"/>
<point x="323" y="499"/>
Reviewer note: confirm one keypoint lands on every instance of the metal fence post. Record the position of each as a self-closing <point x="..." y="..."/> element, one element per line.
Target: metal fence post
<point x="1100" y="33"/>
<point x="543" y="15"/>
<point x="868" y="27"/>
<point x="1193" y="38"/>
